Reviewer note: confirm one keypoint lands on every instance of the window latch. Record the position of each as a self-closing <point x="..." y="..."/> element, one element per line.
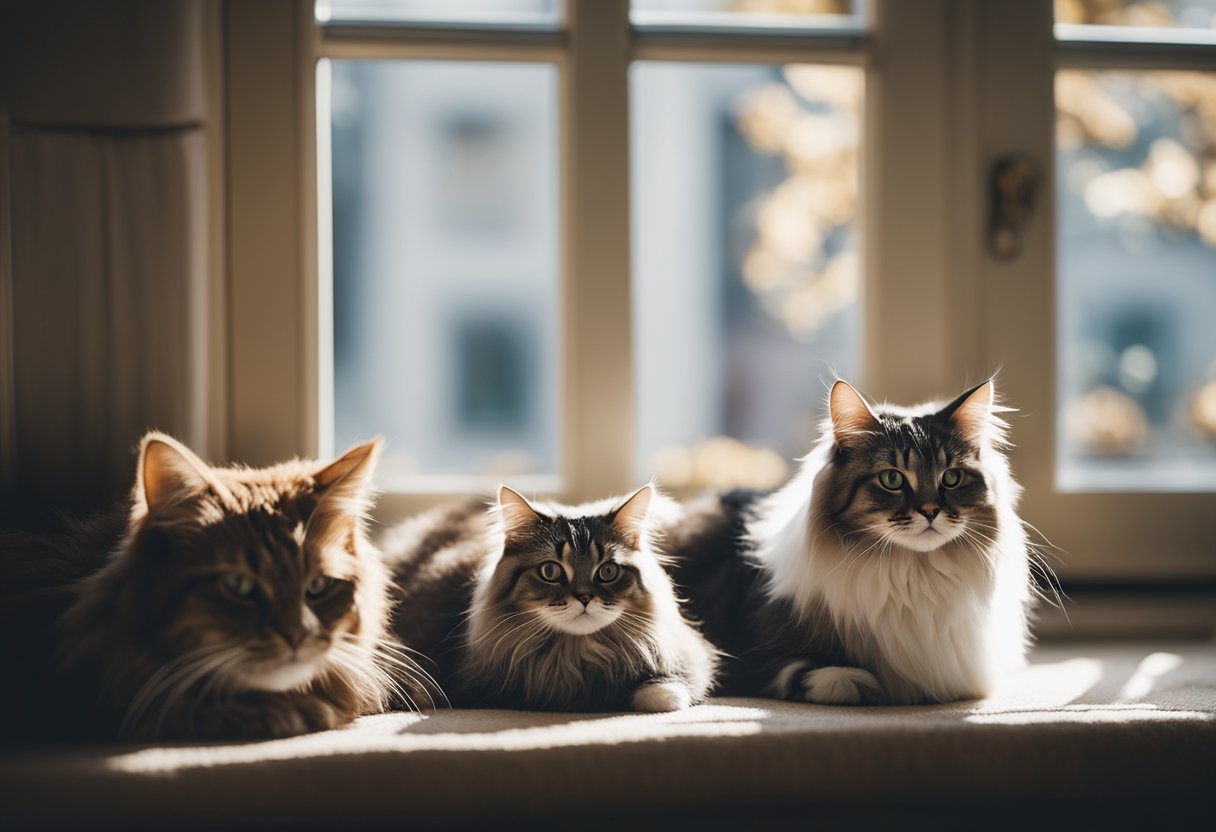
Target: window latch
<point x="1013" y="187"/>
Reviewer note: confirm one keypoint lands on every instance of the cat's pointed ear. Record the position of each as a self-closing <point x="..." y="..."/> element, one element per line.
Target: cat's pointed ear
<point x="971" y="413"/>
<point x="353" y="470"/>
<point x="849" y="412"/>
<point x="343" y="493"/>
<point x="345" y="483"/>
<point x="171" y="476"/>
<point x="630" y="518"/>
<point x="516" y="512"/>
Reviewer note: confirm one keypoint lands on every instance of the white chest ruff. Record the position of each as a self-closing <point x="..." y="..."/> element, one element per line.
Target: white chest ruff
<point x="920" y="621"/>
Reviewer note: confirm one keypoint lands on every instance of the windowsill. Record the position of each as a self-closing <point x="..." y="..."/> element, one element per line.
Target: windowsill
<point x="1129" y="614"/>
<point x="1083" y="725"/>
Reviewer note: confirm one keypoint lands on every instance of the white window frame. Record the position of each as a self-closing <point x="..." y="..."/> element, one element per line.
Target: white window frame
<point x="1104" y="537"/>
<point x="278" y="396"/>
<point x="949" y="85"/>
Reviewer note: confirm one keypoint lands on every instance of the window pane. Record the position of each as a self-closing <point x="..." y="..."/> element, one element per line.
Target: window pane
<point x="775" y="14"/>
<point x="745" y="264"/>
<point x="1137" y="280"/>
<point x="1184" y="14"/>
<point x="504" y="13"/>
<point x="445" y="275"/>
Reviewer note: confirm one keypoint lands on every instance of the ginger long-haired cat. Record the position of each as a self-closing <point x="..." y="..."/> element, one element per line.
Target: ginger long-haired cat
<point x="222" y="603"/>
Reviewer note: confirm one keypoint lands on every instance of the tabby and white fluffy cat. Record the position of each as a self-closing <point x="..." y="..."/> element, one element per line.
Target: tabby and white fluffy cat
<point x="548" y="606"/>
<point x="893" y="568"/>
<point x="223" y="603"/>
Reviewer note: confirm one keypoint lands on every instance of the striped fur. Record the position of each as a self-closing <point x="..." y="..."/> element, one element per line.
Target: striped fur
<point x="570" y="642"/>
<point x="918" y="593"/>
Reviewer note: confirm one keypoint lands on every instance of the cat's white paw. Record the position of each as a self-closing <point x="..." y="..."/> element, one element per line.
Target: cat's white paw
<point x="838" y="685"/>
<point x="658" y="697"/>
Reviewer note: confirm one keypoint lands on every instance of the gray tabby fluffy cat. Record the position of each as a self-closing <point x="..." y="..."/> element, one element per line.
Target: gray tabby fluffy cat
<point x="548" y="606"/>
<point x="893" y="568"/>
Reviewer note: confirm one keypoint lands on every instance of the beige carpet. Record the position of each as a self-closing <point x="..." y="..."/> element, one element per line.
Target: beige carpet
<point x="1083" y="722"/>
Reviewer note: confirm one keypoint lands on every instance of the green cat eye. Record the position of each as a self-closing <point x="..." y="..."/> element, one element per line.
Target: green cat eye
<point x="550" y="571"/>
<point x="891" y="479"/>
<point x="608" y="572"/>
<point x="319" y="585"/>
<point x="239" y="584"/>
<point x="952" y="477"/>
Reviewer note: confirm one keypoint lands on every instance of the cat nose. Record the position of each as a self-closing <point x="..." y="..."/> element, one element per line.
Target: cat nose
<point x="294" y="636"/>
<point x="585" y="598"/>
<point x="930" y="510"/>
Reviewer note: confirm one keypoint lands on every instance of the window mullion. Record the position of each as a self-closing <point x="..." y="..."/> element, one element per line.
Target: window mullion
<point x="598" y="358"/>
<point x="905" y="175"/>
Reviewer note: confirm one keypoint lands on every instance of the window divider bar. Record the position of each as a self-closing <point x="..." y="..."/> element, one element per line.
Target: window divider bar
<point x="471" y="43"/>
<point x="597" y="359"/>
<point x="905" y="177"/>
<point x="422" y="45"/>
<point x="489" y="33"/>
<point x="852" y="50"/>
<point x="1103" y="54"/>
<point x="438" y="50"/>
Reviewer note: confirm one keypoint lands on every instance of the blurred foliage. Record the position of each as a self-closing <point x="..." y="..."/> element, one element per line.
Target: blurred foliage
<point x="1175" y="182"/>
<point x="802" y="265"/>
<point x="1201" y="13"/>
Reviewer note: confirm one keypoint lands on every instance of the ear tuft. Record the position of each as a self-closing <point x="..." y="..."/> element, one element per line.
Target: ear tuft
<point x="849" y="412"/>
<point x="344" y="490"/>
<point x="630" y="518"/>
<point x="972" y="412"/>
<point x="353" y="470"/>
<point x="516" y="512"/>
<point x="170" y="474"/>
